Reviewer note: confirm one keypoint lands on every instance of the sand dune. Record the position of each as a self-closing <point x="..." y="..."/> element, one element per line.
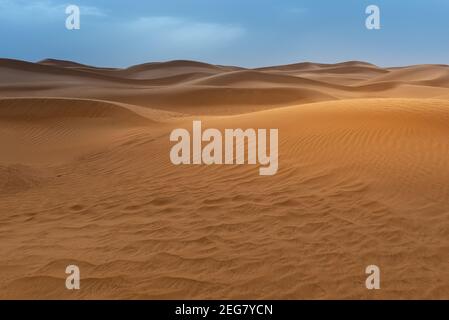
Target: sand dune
<point x="86" y="179"/>
<point x="425" y="75"/>
<point x="152" y="70"/>
<point x="190" y="85"/>
<point x="37" y="131"/>
<point x="307" y="66"/>
<point x="345" y="73"/>
<point x="223" y="100"/>
<point x="258" y="79"/>
<point x="171" y="68"/>
<point x="35" y="109"/>
<point x="68" y="64"/>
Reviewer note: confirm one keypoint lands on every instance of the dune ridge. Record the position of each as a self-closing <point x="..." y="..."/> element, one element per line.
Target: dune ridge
<point x="164" y="85"/>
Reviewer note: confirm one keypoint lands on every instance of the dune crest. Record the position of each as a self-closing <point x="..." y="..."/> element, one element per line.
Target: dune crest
<point x="186" y="85"/>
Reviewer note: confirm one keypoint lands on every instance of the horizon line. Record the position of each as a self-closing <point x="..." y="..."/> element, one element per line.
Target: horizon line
<point x="41" y="61"/>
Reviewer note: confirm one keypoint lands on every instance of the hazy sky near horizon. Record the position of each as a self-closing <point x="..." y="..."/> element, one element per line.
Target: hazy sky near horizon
<point x="237" y="32"/>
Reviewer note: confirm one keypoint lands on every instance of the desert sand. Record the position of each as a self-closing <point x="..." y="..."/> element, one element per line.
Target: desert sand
<point x="86" y="179"/>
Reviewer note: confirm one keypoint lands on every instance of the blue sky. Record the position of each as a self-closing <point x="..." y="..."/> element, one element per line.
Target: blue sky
<point x="238" y="32"/>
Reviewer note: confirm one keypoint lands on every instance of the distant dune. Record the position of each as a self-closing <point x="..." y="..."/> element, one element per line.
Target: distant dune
<point x="86" y="179"/>
<point x="231" y="90"/>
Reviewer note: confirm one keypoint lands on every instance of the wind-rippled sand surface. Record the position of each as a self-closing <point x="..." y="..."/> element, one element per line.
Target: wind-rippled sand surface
<point x="86" y="179"/>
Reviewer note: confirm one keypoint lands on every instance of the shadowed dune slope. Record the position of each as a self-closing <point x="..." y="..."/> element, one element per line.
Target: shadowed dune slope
<point x="35" y="109"/>
<point x="222" y="100"/>
<point x="50" y="130"/>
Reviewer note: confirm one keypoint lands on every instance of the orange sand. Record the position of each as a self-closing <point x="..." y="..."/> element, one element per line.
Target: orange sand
<point x="86" y="179"/>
